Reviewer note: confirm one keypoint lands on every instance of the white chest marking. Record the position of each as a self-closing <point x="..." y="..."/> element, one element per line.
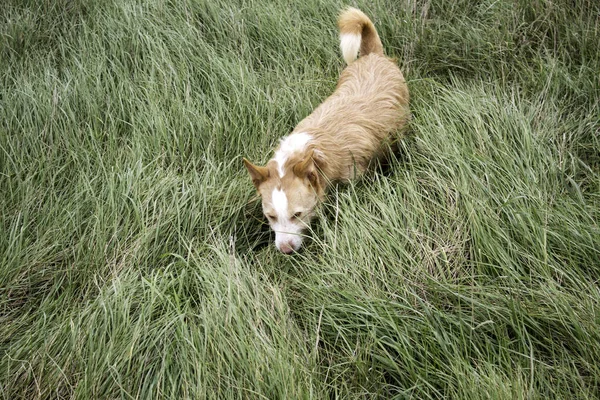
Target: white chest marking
<point x="289" y="145"/>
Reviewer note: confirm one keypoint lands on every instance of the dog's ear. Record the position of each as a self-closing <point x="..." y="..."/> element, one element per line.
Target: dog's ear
<point x="309" y="167"/>
<point x="258" y="174"/>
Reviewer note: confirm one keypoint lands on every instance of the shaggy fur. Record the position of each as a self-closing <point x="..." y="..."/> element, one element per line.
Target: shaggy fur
<point x="339" y="139"/>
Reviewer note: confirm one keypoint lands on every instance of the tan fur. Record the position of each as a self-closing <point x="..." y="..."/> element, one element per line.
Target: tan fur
<point x="368" y="106"/>
<point x="355" y="22"/>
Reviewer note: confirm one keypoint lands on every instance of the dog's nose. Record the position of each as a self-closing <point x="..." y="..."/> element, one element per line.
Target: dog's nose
<point x="286" y="248"/>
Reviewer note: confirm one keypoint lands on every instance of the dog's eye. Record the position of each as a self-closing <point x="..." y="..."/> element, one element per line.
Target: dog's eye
<point x="272" y="217"/>
<point x="297" y="215"/>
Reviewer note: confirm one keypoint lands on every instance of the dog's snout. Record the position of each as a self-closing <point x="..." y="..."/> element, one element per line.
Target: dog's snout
<point x="286" y="248"/>
<point x="288" y="243"/>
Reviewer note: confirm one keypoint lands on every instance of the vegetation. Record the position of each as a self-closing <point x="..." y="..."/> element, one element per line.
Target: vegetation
<point x="134" y="259"/>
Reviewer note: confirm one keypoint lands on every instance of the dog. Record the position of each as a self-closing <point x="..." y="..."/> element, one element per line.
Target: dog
<point x="339" y="139"/>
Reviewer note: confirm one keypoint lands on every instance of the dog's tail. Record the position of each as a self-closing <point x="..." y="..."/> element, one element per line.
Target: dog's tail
<point x="357" y="32"/>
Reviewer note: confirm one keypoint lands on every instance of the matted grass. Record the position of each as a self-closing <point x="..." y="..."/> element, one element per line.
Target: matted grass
<point x="134" y="260"/>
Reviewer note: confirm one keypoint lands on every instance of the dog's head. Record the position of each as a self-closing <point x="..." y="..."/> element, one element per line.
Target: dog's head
<point x="289" y="195"/>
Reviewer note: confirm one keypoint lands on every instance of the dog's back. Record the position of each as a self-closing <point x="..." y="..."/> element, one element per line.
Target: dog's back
<point x="369" y="104"/>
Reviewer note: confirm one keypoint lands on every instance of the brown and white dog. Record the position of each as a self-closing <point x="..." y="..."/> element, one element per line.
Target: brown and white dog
<point x="339" y="139"/>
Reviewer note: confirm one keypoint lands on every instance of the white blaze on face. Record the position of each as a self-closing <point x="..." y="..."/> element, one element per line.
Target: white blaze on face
<point x="289" y="145"/>
<point x="287" y="232"/>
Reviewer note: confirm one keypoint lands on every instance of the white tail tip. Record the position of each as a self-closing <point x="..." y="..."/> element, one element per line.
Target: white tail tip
<point x="350" y="44"/>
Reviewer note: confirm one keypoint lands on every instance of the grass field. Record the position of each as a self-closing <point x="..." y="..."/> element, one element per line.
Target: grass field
<point x="134" y="259"/>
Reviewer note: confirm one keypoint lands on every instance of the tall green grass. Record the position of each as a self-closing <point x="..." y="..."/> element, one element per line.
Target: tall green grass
<point x="134" y="260"/>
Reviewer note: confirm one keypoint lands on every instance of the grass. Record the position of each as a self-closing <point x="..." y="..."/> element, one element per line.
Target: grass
<point x="134" y="261"/>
